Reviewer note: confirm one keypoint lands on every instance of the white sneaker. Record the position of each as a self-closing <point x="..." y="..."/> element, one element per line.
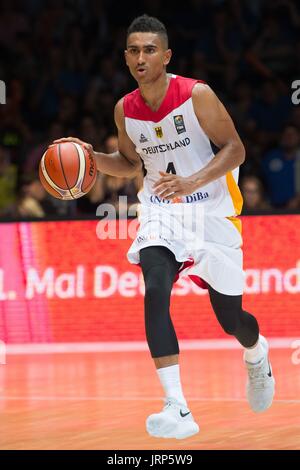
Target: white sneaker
<point x="175" y="420"/>
<point x="261" y="384"/>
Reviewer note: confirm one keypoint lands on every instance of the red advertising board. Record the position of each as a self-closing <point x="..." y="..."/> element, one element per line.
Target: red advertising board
<point x="60" y="283"/>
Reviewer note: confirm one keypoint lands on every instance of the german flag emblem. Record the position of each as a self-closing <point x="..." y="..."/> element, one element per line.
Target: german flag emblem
<point x="159" y="132"/>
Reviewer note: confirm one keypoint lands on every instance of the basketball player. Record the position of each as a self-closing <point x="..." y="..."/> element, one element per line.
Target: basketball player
<point x="167" y="124"/>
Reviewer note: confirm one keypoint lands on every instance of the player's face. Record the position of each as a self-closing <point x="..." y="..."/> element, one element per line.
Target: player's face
<point x="146" y="56"/>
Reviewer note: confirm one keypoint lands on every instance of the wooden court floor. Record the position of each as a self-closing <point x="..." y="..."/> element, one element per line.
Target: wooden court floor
<point x="101" y="400"/>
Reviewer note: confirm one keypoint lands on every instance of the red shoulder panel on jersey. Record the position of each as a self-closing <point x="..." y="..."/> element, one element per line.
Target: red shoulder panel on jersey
<point x="179" y="91"/>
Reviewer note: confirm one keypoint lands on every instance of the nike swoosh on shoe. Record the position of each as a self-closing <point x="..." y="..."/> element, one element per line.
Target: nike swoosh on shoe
<point x="184" y="414"/>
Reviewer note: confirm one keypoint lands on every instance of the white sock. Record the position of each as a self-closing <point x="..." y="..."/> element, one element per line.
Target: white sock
<point x="257" y="352"/>
<point x="170" y="379"/>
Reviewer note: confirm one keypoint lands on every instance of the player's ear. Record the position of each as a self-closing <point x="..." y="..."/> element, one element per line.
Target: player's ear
<point x="168" y="55"/>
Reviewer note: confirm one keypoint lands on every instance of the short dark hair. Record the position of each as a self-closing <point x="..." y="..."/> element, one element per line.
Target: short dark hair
<point x="148" y="24"/>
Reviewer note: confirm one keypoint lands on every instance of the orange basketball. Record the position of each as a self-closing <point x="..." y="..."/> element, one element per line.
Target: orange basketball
<point x="67" y="171"/>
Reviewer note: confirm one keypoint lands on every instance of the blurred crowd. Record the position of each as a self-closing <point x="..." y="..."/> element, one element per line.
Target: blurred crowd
<point x="62" y="62"/>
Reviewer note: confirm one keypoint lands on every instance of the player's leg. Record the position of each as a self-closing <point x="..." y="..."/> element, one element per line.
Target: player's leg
<point x="159" y="268"/>
<point x="243" y="325"/>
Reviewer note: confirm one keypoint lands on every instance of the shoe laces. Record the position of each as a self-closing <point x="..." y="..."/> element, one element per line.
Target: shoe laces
<point x="257" y="375"/>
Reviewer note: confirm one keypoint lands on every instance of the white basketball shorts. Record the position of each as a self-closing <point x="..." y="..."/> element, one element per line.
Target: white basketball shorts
<point x="208" y="247"/>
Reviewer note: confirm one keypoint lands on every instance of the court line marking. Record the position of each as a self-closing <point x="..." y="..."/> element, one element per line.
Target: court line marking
<point x="185" y="345"/>
<point x="109" y="398"/>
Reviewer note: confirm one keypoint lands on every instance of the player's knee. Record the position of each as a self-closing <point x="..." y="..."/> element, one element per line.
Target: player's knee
<point x="157" y="297"/>
<point x="157" y="284"/>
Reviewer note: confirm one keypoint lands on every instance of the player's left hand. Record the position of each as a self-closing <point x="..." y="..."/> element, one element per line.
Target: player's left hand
<point x="170" y="186"/>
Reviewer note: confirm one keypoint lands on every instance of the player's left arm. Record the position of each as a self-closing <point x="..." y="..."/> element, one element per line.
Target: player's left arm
<point x="218" y="126"/>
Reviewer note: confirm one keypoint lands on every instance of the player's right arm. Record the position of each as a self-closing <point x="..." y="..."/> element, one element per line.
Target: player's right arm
<point x="125" y="162"/>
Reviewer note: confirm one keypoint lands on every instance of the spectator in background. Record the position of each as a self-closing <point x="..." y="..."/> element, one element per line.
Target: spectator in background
<point x="89" y="131"/>
<point x="281" y="170"/>
<point x="240" y="107"/>
<point x="68" y="112"/>
<point x="273" y="49"/>
<point x="47" y="97"/>
<point x="14" y="131"/>
<point x="32" y="160"/>
<point x="13" y="21"/>
<point x="253" y="194"/>
<point x="8" y="181"/>
<point x="270" y="113"/>
<point x="34" y="201"/>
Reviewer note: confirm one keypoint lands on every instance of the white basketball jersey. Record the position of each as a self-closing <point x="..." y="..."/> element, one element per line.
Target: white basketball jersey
<point x="172" y="140"/>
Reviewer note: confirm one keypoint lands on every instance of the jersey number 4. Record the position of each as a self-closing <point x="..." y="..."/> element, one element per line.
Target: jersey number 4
<point x="171" y="168"/>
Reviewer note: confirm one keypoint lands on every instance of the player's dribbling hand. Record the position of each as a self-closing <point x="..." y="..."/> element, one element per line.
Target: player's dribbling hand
<point x="87" y="146"/>
<point x="170" y="186"/>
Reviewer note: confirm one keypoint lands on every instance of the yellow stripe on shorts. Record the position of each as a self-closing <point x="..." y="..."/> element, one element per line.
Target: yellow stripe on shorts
<point x="235" y="193"/>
